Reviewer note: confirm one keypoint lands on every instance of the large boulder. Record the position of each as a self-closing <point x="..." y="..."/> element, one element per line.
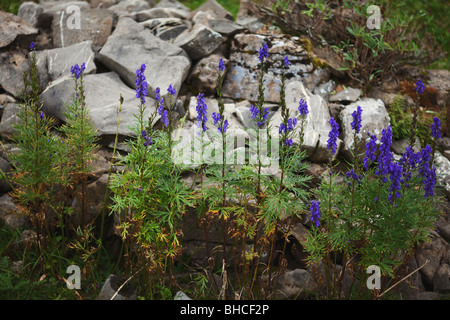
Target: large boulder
<point x="102" y="92"/>
<point x="14" y="29"/>
<point x="13" y="64"/>
<point x="241" y="81"/>
<point x="131" y="45"/>
<point x="199" y="41"/>
<point x="57" y="62"/>
<point x="95" y="25"/>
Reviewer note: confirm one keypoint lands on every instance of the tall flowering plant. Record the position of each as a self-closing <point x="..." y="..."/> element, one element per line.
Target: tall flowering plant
<point x="148" y="199"/>
<point x="377" y="217"/>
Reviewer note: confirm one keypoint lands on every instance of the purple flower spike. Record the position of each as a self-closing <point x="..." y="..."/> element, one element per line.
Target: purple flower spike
<point x="315" y="212"/>
<point x="420" y="87"/>
<point x="436" y="128"/>
<point x="263" y="52"/>
<point x="356" y="124"/>
<point x="171" y="90"/>
<point x="333" y="135"/>
<point x="303" y="107"/>
<point x="221" y="65"/>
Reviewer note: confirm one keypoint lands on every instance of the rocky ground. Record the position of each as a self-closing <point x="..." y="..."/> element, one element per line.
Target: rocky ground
<point x="182" y="48"/>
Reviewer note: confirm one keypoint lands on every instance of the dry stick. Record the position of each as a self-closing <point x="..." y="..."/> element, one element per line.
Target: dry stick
<point x="407" y="276"/>
<point x="123" y="284"/>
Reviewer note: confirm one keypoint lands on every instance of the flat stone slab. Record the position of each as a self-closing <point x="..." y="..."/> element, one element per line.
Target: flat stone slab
<point x="131" y="45"/>
<point x="102" y="93"/>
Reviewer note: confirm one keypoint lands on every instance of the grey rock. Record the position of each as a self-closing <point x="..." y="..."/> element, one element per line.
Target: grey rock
<point x="128" y="6"/>
<point x="215" y="7"/>
<point x="7" y="207"/>
<point x="15" y="221"/>
<point x="241" y="81"/>
<point x="295" y="284"/>
<point x="440" y="80"/>
<point x="13" y="63"/>
<point x="131" y="45"/>
<point x="102" y="104"/>
<point x="199" y="41"/>
<point x="252" y="24"/>
<point x="399" y="146"/>
<point x="95" y="25"/>
<point x="205" y="73"/>
<point x="387" y="97"/>
<point x="374" y="118"/>
<point x="346" y="95"/>
<point x="153" y="23"/>
<point x="441" y="281"/>
<point x="316" y="77"/>
<point x="335" y="109"/>
<point x="15" y="30"/>
<point x="9" y="119"/>
<point x="112" y="285"/>
<point x="435" y="252"/>
<point x="159" y="13"/>
<point x="171" y="4"/>
<point x="203" y="17"/>
<point x="51" y="8"/>
<point x="57" y="62"/>
<point x="443" y="142"/>
<point x="225" y="27"/>
<point x="180" y="295"/>
<point x="5" y="173"/>
<point x="169" y="33"/>
<point x="442" y="165"/>
<point x="325" y="89"/>
<point x="30" y="12"/>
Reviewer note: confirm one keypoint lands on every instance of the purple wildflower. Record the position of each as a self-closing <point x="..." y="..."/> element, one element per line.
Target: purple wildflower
<point x="352" y="174"/>
<point x="32" y="46"/>
<point x="165" y="118"/>
<point x="303" y="107"/>
<point x="41" y="115"/>
<point x="157" y="94"/>
<point x="333" y="135"/>
<point x="221" y="65"/>
<point x="216" y="117"/>
<point x="315" y="212"/>
<point x="288" y="142"/>
<point x="286" y="62"/>
<point x="356" y="124"/>
<point x="263" y="52"/>
<point x="436" y="128"/>
<point x="420" y="87"/>
<point x="77" y="71"/>
<point x="429" y="181"/>
<point x="141" y="84"/>
<point x="259" y="115"/>
<point x="222" y="129"/>
<point x="171" y="90"/>
<point x="161" y="106"/>
<point x="385" y="157"/>
<point x="201" y="111"/>
<point x="148" y="141"/>
<point x="396" y="180"/>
